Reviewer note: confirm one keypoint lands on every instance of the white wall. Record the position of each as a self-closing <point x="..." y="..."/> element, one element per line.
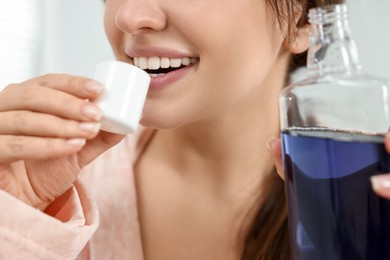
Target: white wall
<point x="370" y="20"/>
<point x="75" y="38"/>
<point x="21" y="34"/>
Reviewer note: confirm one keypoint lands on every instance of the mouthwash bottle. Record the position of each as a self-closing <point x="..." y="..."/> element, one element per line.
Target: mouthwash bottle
<point x="332" y="128"/>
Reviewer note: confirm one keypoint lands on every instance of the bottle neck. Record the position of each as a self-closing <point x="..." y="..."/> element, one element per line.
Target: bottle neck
<point x="331" y="50"/>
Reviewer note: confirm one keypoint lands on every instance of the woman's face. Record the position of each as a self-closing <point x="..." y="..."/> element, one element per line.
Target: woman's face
<point x="219" y="53"/>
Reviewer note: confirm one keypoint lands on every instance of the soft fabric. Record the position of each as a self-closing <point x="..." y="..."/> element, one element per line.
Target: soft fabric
<point x="95" y="219"/>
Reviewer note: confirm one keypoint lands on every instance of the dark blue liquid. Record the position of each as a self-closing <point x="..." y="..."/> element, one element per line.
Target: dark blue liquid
<point x="333" y="212"/>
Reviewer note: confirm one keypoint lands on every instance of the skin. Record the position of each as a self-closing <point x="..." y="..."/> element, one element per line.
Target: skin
<point x="48" y="133"/>
<point x="210" y="152"/>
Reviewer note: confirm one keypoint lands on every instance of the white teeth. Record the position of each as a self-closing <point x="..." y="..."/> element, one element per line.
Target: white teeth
<point x="164" y="63"/>
<point x="186" y="61"/>
<point x="156" y="75"/>
<point x="143" y="63"/>
<point x="155" y="63"/>
<point x="175" y="63"/>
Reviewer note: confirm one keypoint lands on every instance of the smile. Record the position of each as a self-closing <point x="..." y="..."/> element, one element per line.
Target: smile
<point x="160" y="66"/>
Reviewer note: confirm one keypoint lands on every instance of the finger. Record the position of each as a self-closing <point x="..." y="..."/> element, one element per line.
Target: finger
<point x="387" y="142"/>
<point x="381" y="185"/>
<point x="14" y="148"/>
<point x="274" y="146"/>
<point x="97" y="146"/>
<point x="37" y="124"/>
<point x="49" y="101"/>
<point x="81" y="87"/>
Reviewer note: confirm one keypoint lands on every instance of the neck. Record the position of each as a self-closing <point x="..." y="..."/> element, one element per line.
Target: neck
<point x="227" y="151"/>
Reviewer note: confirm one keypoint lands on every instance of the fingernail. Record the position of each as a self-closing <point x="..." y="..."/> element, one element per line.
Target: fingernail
<point x="94" y="86"/>
<point x="92" y="112"/>
<point x="380" y="182"/>
<point x="76" y="142"/>
<point x="269" y="141"/>
<point x="92" y="128"/>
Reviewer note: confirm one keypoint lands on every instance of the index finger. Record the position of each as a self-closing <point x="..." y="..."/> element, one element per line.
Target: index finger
<point x="387" y="142"/>
<point x="275" y="147"/>
<point x="78" y="86"/>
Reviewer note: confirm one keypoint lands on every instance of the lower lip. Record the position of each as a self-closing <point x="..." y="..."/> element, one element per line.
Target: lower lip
<point x="163" y="81"/>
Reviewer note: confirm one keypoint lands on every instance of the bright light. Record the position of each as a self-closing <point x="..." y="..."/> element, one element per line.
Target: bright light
<point x="21" y="39"/>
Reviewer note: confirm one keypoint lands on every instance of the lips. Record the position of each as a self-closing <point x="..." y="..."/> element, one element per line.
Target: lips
<point x="165" y="66"/>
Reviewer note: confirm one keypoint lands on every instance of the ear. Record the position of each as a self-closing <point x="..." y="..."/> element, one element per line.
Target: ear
<point x="300" y="43"/>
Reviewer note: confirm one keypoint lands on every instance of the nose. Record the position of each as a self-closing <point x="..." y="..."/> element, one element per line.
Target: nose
<point x="140" y="15"/>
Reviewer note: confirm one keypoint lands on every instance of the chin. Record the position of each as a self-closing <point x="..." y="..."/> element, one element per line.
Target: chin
<point x="171" y="118"/>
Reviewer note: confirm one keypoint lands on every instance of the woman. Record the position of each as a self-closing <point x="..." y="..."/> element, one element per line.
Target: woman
<point x="203" y="185"/>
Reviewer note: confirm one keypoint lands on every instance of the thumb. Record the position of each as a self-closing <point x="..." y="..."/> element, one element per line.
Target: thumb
<point x="97" y="146"/>
<point x="381" y="183"/>
<point x="275" y="148"/>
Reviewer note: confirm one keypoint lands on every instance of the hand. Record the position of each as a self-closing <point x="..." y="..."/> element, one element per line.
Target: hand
<point x="380" y="183"/>
<point x="49" y="130"/>
<point x="275" y="147"/>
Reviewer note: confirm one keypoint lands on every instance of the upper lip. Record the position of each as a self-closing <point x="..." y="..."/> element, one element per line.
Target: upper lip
<point x="156" y="52"/>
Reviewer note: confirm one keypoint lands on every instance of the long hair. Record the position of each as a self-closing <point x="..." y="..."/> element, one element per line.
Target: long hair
<point x="267" y="234"/>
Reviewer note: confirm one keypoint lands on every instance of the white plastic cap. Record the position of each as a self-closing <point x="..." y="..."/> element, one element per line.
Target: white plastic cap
<point x="123" y="98"/>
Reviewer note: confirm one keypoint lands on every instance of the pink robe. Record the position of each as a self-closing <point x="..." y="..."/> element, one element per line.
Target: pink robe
<point x="97" y="221"/>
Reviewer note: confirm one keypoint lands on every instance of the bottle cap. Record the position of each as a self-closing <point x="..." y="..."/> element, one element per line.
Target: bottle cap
<point x="123" y="98"/>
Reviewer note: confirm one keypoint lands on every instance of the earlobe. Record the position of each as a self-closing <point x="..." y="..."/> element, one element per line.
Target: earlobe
<point x="300" y="42"/>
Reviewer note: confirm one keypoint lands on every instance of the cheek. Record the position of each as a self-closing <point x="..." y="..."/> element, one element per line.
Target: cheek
<point x="236" y="63"/>
<point x="243" y="38"/>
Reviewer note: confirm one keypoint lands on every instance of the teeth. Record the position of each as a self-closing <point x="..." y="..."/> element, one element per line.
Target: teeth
<point x="175" y="63"/>
<point x="164" y="63"/>
<point x="143" y="63"/>
<point x="155" y="63"/>
<point x="156" y="75"/>
<point x="186" y="61"/>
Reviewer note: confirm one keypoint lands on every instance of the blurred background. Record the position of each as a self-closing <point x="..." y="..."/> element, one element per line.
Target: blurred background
<point x="67" y="36"/>
<point x="56" y="36"/>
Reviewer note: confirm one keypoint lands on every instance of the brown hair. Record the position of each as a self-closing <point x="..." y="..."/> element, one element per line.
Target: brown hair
<point x="267" y="237"/>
